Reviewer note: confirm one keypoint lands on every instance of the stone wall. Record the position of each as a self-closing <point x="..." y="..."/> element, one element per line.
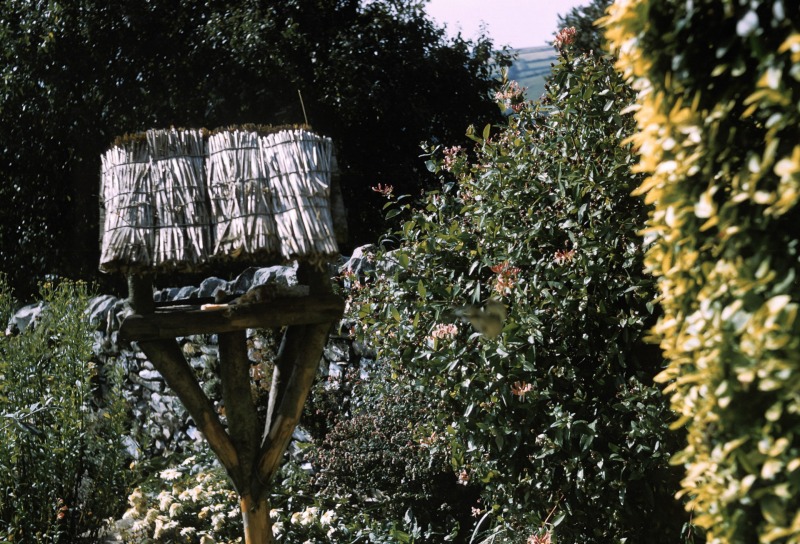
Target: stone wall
<point x="164" y="425"/>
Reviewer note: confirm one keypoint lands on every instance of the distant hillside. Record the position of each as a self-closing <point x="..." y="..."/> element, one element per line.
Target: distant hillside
<point x="532" y="66"/>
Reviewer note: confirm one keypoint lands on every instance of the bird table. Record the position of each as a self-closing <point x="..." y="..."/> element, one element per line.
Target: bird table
<point x="176" y="200"/>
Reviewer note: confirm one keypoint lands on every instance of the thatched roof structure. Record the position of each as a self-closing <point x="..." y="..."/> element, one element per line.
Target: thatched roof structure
<point x="180" y="199"/>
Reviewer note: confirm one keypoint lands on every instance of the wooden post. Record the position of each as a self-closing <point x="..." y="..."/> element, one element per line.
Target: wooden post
<point x="240" y="411"/>
<point x="257" y="523"/>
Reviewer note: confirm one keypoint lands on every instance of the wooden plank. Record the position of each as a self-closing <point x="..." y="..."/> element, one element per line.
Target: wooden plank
<point x="165" y="324"/>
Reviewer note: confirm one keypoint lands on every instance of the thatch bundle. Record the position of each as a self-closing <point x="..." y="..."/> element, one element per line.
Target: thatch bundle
<point x="240" y="194"/>
<point x="173" y="201"/>
<point x="300" y="165"/>
<point x="181" y="202"/>
<point x="129" y="223"/>
<point x="155" y="202"/>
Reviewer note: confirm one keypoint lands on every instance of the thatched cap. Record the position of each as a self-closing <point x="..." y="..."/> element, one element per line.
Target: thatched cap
<point x="263" y="195"/>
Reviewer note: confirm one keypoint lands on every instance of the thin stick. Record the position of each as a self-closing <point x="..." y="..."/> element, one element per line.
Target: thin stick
<point x="302" y="105"/>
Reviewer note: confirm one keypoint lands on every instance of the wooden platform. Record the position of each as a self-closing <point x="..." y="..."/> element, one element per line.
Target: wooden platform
<point x="187" y="319"/>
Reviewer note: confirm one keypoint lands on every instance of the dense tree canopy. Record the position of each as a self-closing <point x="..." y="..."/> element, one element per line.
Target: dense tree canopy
<point x="378" y="79"/>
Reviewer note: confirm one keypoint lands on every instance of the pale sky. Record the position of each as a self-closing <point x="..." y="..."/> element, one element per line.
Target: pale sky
<point x="517" y="23"/>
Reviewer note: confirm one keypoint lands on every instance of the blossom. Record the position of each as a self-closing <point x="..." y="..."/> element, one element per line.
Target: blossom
<point x="175" y="509"/>
<point x="546" y="538"/>
<point x="521" y="389"/>
<point x="170" y="474"/>
<point x="463" y="477"/>
<point x="565" y="37"/>
<point x="563" y="256"/>
<point x="328" y="517"/>
<point x="165" y="498"/>
<point x="444" y="331"/>
<point x="450" y="157"/>
<point x="385" y="190"/>
<point x="506" y="277"/>
<point x="511" y="96"/>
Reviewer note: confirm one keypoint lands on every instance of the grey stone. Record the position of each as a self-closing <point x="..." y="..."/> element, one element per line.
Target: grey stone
<point x="360" y="263"/>
<point x="364" y="351"/>
<point x="99" y="309"/>
<point x="185" y="293"/>
<point x="280" y="275"/>
<point x="24" y="317"/>
<point x="210" y="285"/>
<point x="335" y="352"/>
<point x="334" y="371"/>
<point x="243" y="281"/>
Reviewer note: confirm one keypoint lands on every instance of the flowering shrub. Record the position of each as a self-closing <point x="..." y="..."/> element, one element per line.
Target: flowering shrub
<point x="191" y="503"/>
<point x="384" y="460"/>
<point x="556" y="422"/>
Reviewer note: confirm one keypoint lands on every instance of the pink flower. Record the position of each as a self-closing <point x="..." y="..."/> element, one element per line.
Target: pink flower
<point x="444" y="331"/>
<point x="563" y="256"/>
<point x="385" y="190"/>
<point x="546" y="538"/>
<point x="511" y="95"/>
<point x="450" y="157"/>
<point x="521" y="389"/>
<point x="565" y="37"/>
<point x="506" y="277"/>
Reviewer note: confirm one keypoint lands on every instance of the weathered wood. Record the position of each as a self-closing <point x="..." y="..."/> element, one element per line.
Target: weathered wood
<point x="300" y="354"/>
<point x="240" y="411"/>
<point x="140" y="293"/>
<point x="168" y="359"/>
<point x="275" y="313"/>
<point x="257" y="523"/>
<point x="291" y="406"/>
<point x="293" y="337"/>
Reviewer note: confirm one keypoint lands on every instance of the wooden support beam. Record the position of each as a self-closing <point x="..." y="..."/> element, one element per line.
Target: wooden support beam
<point x="290" y="407"/>
<point x="168" y="359"/>
<point x="293" y="337"/>
<point x="274" y="313"/>
<point x="240" y="411"/>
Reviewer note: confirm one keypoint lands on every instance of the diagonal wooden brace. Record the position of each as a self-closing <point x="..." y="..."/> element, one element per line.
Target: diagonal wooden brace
<point x="290" y="406"/>
<point x="168" y="359"/>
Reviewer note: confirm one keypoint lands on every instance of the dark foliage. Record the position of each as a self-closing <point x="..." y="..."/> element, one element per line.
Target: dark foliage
<point x="78" y="73"/>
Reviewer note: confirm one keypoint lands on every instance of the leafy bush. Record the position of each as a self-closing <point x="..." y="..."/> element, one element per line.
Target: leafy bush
<point x="557" y="420"/>
<point x="61" y="454"/>
<point x="718" y="136"/>
<point x="381" y="460"/>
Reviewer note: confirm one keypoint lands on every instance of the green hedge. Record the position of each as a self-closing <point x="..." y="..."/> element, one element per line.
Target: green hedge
<point x="557" y="421"/>
<point x="719" y="142"/>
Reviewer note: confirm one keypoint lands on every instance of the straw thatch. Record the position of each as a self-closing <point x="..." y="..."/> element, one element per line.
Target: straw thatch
<point x="174" y="201"/>
<point x="155" y="202"/>
<point x="182" y="237"/>
<point x="240" y="194"/>
<point x="128" y="226"/>
<point x="300" y="165"/>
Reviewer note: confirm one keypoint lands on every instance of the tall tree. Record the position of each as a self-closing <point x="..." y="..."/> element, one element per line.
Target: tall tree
<point x="378" y="79"/>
